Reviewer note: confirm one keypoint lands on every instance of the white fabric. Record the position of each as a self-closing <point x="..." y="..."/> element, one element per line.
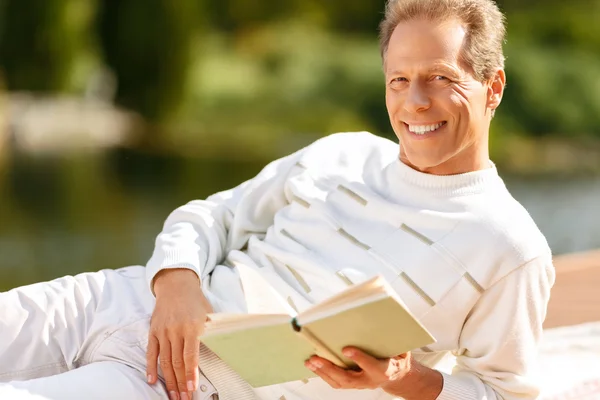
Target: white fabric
<point x="81" y="337"/>
<point x="345" y="209"/>
<point x="570" y="362"/>
<point x="231" y="385"/>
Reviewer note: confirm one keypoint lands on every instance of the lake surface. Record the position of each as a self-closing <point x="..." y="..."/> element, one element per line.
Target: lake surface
<point x="68" y="215"/>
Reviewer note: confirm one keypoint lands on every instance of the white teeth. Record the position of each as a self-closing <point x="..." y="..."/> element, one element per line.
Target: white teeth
<point x="422" y="129"/>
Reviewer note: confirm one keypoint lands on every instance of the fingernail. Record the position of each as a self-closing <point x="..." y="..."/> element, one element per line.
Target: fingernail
<point x="190" y="386"/>
<point x="150" y="378"/>
<point x="173" y="395"/>
<point x="348" y="352"/>
<point x="317" y="364"/>
<point x="311" y="367"/>
<point x="184" y="396"/>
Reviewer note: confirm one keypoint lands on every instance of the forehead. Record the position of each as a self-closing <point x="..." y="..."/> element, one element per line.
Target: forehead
<point x="422" y="43"/>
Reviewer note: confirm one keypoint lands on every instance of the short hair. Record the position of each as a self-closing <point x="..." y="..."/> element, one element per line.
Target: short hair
<point x="482" y="19"/>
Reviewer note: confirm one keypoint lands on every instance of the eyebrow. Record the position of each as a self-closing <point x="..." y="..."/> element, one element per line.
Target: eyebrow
<point x="445" y="68"/>
<point x="442" y="68"/>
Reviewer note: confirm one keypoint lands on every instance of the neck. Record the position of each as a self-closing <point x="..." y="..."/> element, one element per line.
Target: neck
<point x="475" y="157"/>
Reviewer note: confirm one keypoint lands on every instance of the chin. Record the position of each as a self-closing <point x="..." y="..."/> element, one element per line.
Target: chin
<point x="422" y="161"/>
<point x="424" y="164"/>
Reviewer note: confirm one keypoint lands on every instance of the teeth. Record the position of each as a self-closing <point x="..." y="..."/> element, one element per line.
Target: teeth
<point x="422" y="129"/>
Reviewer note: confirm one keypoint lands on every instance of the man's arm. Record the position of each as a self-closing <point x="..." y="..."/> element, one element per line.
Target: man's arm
<point x="196" y="238"/>
<point x="499" y="341"/>
<point x="198" y="235"/>
<point x="500" y="338"/>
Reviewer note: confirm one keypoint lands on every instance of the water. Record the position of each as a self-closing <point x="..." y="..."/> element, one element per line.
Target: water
<point x="65" y="216"/>
<point x="567" y="211"/>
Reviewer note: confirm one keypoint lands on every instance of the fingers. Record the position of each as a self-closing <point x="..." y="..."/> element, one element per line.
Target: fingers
<point x="152" y="359"/>
<point x="191" y="354"/>
<point x="337" y="377"/>
<point x="179" y="364"/>
<point x="167" y="368"/>
<point x="380" y="370"/>
<point x="176" y="324"/>
<point x="325" y="376"/>
<point x="367" y="363"/>
<point x="177" y="346"/>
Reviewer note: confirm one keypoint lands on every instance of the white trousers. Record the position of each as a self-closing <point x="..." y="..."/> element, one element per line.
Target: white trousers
<point x="81" y="337"/>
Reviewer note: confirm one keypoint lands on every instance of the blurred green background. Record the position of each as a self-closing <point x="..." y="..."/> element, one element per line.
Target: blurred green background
<point x="114" y="112"/>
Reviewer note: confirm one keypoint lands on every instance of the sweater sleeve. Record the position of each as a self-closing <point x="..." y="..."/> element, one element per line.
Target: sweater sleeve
<point x="500" y="338"/>
<point x="199" y="234"/>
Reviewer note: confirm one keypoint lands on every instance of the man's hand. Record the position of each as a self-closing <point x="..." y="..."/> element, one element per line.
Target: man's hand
<point x="176" y="325"/>
<point x="399" y="376"/>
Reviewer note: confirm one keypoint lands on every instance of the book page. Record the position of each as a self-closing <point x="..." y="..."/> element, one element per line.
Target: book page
<point x="264" y="356"/>
<point x="220" y="323"/>
<point x="371" y="290"/>
<point x="382" y="328"/>
<point x="317" y="313"/>
<point x="266" y="349"/>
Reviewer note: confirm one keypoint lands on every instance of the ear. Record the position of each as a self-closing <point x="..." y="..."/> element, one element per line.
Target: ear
<point x="496" y="89"/>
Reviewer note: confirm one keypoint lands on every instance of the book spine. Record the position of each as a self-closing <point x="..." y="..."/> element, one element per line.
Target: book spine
<point x="320" y="348"/>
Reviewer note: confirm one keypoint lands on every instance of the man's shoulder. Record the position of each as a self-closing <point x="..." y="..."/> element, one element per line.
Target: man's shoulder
<point x="352" y="139"/>
<point x="503" y="238"/>
<point x="348" y="150"/>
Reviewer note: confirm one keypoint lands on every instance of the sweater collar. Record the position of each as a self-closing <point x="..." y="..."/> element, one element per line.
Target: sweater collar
<point x="451" y="185"/>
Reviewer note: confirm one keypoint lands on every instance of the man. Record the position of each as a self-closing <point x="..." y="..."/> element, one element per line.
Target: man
<point x="432" y="216"/>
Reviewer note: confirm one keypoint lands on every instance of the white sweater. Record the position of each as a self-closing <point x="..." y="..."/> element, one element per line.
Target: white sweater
<point x="461" y="252"/>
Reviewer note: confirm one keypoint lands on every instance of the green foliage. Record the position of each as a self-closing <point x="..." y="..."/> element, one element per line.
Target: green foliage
<point x="286" y="77"/>
<point x="553" y="90"/>
<point x="552" y="67"/>
<point x="256" y="72"/>
<point x="146" y="43"/>
<point x="40" y="42"/>
<point x="239" y="15"/>
<point x="354" y="15"/>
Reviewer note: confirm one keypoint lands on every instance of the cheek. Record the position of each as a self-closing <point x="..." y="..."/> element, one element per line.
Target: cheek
<point x="390" y="101"/>
<point x="470" y="101"/>
<point x="461" y="107"/>
<point x="393" y="105"/>
<point x="457" y="102"/>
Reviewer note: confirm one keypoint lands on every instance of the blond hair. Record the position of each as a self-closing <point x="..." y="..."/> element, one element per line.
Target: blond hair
<point x="483" y="21"/>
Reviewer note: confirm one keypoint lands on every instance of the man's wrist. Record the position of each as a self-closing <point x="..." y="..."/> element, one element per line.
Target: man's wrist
<point x="167" y="280"/>
<point x="420" y="383"/>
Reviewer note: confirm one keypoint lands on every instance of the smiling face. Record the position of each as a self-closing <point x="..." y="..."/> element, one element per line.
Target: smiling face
<point x="439" y="111"/>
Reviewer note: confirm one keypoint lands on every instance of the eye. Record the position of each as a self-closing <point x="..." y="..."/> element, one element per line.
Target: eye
<point x="440" y="78"/>
<point x="399" y="79"/>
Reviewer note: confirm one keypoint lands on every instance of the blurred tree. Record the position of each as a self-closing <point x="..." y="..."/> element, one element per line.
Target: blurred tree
<point x="552" y="67"/>
<point x="147" y="44"/>
<point x="39" y="42"/>
<point x="237" y="15"/>
<point x="288" y="66"/>
<point x="357" y="16"/>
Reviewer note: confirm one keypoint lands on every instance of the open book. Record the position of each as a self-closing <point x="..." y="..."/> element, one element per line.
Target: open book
<point x="266" y="349"/>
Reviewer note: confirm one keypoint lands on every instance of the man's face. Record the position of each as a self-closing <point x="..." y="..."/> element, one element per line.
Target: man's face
<point x="438" y="110"/>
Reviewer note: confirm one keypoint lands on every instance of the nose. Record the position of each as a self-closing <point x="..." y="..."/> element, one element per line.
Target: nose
<point x="417" y="99"/>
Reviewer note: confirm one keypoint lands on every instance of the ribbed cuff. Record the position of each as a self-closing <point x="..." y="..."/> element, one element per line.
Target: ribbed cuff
<point x="458" y="388"/>
<point x="172" y="259"/>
